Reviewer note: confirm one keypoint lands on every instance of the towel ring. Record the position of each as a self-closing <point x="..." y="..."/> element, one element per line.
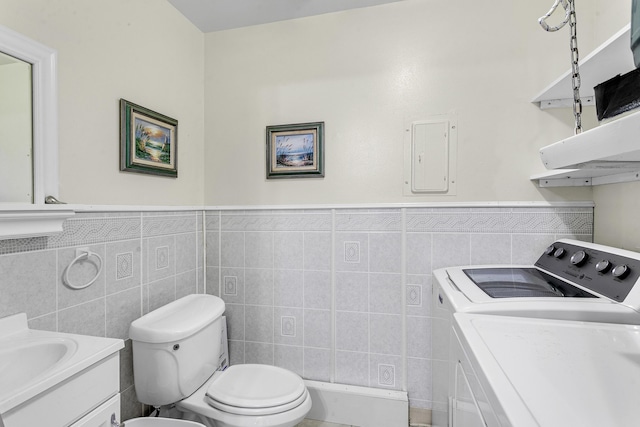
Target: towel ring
<point x="84" y="255"/>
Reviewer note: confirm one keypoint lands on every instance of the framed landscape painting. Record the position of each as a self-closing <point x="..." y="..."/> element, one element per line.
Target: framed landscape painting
<point x="148" y="141"/>
<point x="295" y="151"/>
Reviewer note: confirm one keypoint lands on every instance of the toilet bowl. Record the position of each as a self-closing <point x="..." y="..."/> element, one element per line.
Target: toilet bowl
<point x="250" y="395"/>
<point x="176" y="350"/>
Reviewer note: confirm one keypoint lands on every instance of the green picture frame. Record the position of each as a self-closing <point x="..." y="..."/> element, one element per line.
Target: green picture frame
<point x="148" y="141"/>
<point x="295" y="151"/>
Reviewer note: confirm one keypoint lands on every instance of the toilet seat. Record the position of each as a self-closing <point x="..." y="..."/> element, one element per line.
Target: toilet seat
<point x="198" y="404"/>
<point x="257" y="411"/>
<point x="255" y="390"/>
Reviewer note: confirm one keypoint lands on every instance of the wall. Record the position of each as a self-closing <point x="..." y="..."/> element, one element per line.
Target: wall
<point x="366" y="73"/>
<point x="150" y="259"/>
<point x="144" y="51"/>
<point x="343" y="295"/>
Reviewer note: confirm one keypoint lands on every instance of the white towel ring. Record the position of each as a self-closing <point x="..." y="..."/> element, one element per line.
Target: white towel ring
<point x="84" y="255"/>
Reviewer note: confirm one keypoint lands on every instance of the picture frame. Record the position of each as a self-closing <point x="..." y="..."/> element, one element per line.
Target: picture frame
<point x="295" y="150"/>
<point x="148" y="141"/>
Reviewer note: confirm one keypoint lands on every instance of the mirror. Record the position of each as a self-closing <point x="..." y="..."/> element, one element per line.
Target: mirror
<point x="28" y="98"/>
<point x="15" y="130"/>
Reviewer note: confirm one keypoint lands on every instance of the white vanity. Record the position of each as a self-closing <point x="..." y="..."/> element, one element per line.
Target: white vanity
<point x="57" y="379"/>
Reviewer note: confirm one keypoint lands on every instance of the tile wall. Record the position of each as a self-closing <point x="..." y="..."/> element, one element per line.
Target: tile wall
<point x="339" y="295"/>
<point x="149" y="259"/>
<point x="343" y="295"/>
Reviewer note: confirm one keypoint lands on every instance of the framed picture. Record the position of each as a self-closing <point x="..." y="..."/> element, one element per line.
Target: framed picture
<point x="295" y="151"/>
<point x="148" y="141"/>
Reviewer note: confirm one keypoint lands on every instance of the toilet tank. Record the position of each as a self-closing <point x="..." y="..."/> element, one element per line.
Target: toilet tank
<point x="176" y="348"/>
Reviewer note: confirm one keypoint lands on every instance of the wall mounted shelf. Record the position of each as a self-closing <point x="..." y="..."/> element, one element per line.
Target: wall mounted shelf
<point x="607" y="154"/>
<point x="611" y="58"/>
<point x="31" y="220"/>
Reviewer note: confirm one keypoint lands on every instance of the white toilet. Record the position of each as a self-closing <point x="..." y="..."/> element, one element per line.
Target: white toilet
<point x="176" y="349"/>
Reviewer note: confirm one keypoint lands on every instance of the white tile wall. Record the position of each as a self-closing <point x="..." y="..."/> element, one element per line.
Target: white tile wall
<point x="360" y="301"/>
<point x="339" y="295"/>
<point x="149" y="259"/>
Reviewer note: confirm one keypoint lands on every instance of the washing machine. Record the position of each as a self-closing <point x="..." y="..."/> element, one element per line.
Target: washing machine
<point x="571" y="280"/>
<point x="524" y="372"/>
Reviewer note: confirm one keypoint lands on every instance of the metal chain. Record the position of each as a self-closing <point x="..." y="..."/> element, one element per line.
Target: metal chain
<point x="575" y="69"/>
<point x="570" y="18"/>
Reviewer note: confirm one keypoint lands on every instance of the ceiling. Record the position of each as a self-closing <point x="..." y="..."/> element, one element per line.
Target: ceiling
<point x="217" y="15"/>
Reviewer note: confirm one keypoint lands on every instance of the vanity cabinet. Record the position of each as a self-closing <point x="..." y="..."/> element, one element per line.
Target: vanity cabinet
<point x="87" y="399"/>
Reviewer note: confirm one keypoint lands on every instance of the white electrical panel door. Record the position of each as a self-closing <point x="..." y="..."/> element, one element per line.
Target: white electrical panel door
<point x="430" y="156"/>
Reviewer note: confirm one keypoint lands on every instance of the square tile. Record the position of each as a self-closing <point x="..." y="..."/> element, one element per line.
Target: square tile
<point x="288" y="250"/>
<point x="385" y="293"/>
<point x="257" y="352"/>
<point x="419" y="253"/>
<point x="288" y="326"/>
<point x="288" y="288"/>
<point x="39" y="297"/>
<point x="231" y="249"/>
<point x="386" y="333"/>
<point x="317" y="328"/>
<point x="288" y="357"/>
<point x="317" y="251"/>
<point x="258" y="249"/>
<point x="451" y="250"/>
<point x="317" y="364"/>
<point x="259" y="323"/>
<point x="385" y="252"/>
<point x="352" y="291"/>
<point x="258" y="286"/>
<point x="351" y="252"/>
<point x="386" y="371"/>
<point x="352" y="368"/>
<point x="352" y="331"/>
<point x="317" y="289"/>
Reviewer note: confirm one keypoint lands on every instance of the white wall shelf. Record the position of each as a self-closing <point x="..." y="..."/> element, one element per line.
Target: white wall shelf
<point x="611" y="58"/>
<point x="607" y="154"/>
<point x="20" y="221"/>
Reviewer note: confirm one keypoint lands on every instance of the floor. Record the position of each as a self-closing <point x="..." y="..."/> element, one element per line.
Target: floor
<point x="314" y="423"/>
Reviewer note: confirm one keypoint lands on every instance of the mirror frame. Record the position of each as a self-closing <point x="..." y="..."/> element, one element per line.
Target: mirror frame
<point x="44" y="77"/>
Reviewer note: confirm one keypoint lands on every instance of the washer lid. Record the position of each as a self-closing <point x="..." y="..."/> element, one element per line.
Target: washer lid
<point x="256" y="386"/>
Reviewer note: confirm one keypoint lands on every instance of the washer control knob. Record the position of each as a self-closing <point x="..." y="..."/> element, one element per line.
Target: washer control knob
<point x="603" y="266"/>
<point x="620" y="271"/>
<point x="550" y="250"/>
<point x="579" y="258"/>
<point x="559" y="253"/>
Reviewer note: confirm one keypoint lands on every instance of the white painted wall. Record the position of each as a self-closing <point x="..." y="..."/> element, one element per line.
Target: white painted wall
<point x="144" y="51"/>
<point x="368" y="71"/>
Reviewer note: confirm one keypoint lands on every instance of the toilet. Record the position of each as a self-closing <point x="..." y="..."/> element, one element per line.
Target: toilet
<point x="176" y="351"/>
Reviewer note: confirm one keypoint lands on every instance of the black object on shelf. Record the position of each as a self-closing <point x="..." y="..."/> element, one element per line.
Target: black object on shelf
<point x="618" y="95"/>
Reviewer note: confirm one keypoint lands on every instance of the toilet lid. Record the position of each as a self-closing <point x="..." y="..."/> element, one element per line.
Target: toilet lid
<point x="256" y="386"/>
<point x="257" y="411"/>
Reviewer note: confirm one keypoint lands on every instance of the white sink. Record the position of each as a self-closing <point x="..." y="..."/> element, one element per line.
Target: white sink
<point x="34" y="363"/>
<point x="25" y="360"/>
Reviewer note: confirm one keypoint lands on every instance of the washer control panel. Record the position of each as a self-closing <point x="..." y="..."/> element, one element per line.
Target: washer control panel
<point x="606" y="273"/>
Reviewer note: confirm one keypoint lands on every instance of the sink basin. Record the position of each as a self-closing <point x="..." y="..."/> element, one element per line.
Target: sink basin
<point x="40" y="366"/>
<point x="29" y="359"/>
